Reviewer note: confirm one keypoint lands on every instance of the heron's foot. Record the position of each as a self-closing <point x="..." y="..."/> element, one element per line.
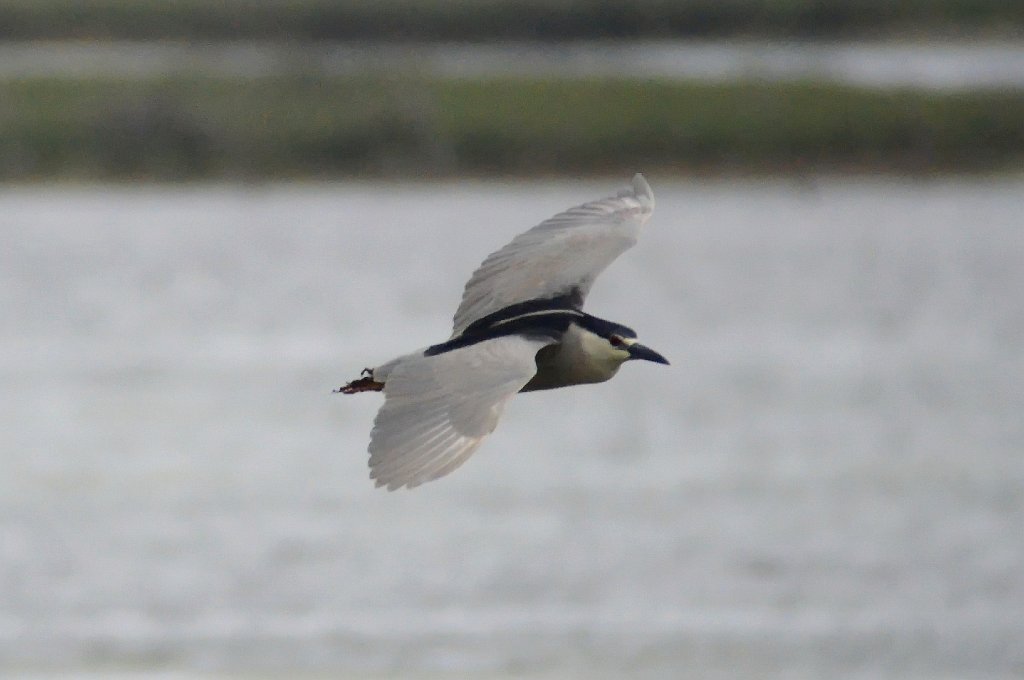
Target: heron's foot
<point x="364" y="384"/>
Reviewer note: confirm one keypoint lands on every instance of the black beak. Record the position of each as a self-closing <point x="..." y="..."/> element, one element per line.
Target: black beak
<point x="638" y="351"/>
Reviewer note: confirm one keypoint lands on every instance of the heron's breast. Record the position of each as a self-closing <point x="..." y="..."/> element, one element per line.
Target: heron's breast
<point x="568" y="364"/>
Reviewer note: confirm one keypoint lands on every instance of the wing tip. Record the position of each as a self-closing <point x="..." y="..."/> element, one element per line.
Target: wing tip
<point x="642" y="190"/>
<point x="392" y="483"/>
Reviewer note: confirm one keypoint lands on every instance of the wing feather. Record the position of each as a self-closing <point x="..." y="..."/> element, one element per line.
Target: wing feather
<point x="560" y="255"/>
<point x="438" y="409"/>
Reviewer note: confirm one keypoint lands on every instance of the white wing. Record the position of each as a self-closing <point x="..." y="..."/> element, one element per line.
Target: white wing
<point x="563" y="253"/>
<point x="439" y="408"/>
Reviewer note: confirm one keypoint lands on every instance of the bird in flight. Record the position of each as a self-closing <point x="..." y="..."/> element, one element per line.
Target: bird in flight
<point x="520" y="327"/>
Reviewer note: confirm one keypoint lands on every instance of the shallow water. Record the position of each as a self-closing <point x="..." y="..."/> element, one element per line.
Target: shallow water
<point x="825" y="483"/>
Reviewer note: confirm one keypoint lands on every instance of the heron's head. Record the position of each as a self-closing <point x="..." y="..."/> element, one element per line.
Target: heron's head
<point x="617" y="344"/>
<point x="633" y="349"/>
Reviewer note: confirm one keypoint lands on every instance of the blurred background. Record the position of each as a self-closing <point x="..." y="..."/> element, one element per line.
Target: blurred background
<point x="212" y="214"/>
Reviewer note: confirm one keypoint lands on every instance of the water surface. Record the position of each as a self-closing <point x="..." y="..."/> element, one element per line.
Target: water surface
<point x="970" y="65"/>
<point x="825" y="483"/>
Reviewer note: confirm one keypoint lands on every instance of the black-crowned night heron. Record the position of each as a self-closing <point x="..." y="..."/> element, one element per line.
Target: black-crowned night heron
<point x="520" y="327"/>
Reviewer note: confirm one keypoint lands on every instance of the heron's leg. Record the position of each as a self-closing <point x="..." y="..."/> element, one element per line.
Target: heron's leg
<point x="363" y="384"/>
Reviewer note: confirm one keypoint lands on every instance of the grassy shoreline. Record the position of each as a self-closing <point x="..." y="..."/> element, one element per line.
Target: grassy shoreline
<point x="500" y="19"/>
<point x="184" y="128"/>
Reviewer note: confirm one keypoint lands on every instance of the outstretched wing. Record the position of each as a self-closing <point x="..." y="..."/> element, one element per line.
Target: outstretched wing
<point x="439" y="408"/>
<point x="560" y="256"/>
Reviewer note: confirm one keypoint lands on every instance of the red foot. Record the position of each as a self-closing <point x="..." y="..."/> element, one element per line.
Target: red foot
<point x="364" y="384"/>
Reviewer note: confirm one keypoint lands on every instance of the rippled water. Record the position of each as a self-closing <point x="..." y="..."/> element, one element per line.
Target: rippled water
<point x="827" y="482"/>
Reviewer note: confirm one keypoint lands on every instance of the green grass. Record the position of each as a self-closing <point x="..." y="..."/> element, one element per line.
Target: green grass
<point x="498" y="19"/>
<point x="184" y="128"/>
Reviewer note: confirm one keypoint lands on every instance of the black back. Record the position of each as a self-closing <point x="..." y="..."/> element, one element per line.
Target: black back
<point x="547" y="318"/>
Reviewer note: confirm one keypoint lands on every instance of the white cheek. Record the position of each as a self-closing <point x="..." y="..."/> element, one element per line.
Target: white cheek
<point x="600" y="350"/>
<point x="608" y="352"/>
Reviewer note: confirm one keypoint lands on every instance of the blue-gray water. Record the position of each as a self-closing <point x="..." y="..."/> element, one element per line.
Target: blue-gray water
<point x="945" y="65"/>
<point x="826" y="483"/>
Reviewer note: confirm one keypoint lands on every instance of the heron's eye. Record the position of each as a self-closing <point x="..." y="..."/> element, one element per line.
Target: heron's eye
<point x="615" y="340"/>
